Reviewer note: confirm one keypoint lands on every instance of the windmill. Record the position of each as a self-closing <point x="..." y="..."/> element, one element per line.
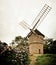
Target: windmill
<point x="35" y="37"/>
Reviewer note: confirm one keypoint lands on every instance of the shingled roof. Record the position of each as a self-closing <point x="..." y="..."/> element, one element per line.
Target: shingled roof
<point x="37" y="32"/>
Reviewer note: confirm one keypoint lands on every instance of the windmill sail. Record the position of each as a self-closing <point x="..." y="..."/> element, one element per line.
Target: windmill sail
<point x="45" y="10"/>
<point x="24" y="25"/>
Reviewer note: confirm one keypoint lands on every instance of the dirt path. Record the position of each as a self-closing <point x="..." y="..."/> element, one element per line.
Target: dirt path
<point x="33" y="59"/>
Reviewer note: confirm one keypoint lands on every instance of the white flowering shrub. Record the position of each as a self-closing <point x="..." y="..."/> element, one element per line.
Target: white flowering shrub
<point x="18" y="55"/>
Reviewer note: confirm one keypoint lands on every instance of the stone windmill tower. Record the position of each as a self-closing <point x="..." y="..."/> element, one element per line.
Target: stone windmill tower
<point x="36" y="38"/>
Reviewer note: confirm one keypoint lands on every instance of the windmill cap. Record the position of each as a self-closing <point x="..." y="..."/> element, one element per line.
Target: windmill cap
<point x="39" y="33"/>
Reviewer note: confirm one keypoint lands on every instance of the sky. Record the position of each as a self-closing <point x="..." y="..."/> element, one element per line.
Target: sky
<point x="12" y="12"/>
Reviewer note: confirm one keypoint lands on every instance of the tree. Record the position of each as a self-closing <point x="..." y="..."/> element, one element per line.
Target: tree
<point x="50" y="46"/>
<point x="47" y="45"/>
<point x="53" y="47"/>
<point x="22" y="49"/>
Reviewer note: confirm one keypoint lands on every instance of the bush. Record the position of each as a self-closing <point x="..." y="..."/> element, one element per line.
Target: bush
<point x="47" y="59"/>
<point x="8" y="57"/>
<point x="11" y="56"/>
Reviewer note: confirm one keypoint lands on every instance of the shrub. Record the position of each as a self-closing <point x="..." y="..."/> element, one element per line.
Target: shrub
<point x="11" y="56"/>
<point x="47" y="59"/>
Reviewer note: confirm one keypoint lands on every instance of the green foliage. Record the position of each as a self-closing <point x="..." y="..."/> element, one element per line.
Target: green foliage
<point x="22" y="50"/>
<point x="20" y="41"/>
<point x="19" y="55"/>
<point x="50" y="47"/>
<point x="47" y="59"/>
<point x="18" y="38"/>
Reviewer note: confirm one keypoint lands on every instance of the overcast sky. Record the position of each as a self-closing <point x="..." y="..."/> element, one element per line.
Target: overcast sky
<point x="14" y="11"/>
